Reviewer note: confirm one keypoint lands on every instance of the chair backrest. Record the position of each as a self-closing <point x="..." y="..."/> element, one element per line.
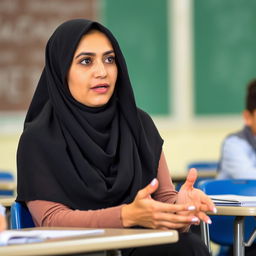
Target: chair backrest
<point x="203" y="165"/>
<point x="5" y="175"/>
<point x="20" y="216"/>
<point x="221" y="229"/>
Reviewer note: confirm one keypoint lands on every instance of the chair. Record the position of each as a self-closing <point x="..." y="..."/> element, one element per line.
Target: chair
<point x="6" y="177"/>
<point x="221" y="230"/>
<point x="205" y="171"/>
<point x="20" y="216"/>
<point x="204" y="165"/>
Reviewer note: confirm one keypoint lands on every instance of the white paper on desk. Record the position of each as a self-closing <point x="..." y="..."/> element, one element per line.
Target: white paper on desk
<point x="31" y="236"/>
<point x="233" y="200"/>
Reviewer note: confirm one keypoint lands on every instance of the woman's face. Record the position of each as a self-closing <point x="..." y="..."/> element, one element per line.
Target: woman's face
<point x="93" y="71"/>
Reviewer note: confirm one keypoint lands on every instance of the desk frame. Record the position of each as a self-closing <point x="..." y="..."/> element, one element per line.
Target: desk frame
<point x="240" y="213"/>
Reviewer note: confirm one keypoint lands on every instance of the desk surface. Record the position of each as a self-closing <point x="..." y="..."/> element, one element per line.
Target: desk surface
<point x="110" y="240"/>
<point x="7" y="200"/>
<point x="235" y="211"/>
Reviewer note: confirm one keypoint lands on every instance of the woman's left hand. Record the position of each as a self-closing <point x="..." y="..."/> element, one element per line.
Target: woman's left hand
<point x="192" y="196"/>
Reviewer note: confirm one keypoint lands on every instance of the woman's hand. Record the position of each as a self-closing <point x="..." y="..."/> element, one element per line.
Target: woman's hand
<point x="190" y="195"/>
<point x="145" y="211"/>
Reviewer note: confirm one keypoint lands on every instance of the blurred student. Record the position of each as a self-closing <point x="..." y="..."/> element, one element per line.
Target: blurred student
<point x="2" y="218"/>
<point x="238" y="156"/>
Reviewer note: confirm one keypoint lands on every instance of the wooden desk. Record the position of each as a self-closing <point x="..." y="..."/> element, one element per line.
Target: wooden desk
<point x="240" y="213"/>
<point x="7" y="201"/>
<point x="112" y="239"/>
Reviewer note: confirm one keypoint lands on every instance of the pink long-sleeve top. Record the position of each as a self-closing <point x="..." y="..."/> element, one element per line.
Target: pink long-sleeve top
<point x="47" y="213"/>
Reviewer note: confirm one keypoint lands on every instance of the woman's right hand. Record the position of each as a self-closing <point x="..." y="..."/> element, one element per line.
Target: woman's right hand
<point x="147" y="212"/>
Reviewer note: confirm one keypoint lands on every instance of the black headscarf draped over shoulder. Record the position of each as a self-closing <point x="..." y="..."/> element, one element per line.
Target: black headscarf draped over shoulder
<point x="84" y="157"/>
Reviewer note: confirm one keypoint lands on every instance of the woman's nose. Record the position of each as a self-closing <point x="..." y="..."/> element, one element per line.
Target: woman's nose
<point x="100" y="70"/>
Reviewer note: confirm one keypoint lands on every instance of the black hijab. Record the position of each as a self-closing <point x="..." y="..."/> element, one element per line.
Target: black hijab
<point x="84" y="157"/>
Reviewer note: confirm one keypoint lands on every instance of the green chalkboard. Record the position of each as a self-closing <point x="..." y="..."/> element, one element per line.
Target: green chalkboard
<point x="141" y="29"/>
<point x="225" y="54"/>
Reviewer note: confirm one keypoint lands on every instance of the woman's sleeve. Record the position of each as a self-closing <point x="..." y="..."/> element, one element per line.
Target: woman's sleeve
<point x="166" y="191"/>
<point x="49" y="214"/>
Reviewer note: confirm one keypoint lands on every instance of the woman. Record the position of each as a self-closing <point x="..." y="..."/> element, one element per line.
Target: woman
<point x="88" y="157"/>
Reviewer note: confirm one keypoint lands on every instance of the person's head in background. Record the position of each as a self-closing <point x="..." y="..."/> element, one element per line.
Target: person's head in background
<point x="250" y="110"/>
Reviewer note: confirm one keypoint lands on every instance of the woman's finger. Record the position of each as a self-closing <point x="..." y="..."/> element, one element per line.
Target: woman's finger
<point x="190" y="180"/>
<point x="175" y="218"/>
<point x="205" y="208"/>
<point x="205" y="218"/>
<point x="206" y="201"/>
<point x="174" y="208"/>
<point x="170" y="225"/>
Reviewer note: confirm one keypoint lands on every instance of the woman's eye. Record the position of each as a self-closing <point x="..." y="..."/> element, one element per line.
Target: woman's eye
<point x="110" y="59"/>
<point x="86" y="61"/>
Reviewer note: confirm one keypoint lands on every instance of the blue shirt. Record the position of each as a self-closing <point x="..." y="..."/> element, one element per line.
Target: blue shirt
<point x="238" y="159"/>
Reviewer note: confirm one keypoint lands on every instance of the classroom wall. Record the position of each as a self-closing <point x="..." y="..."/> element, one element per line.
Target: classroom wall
<point x="145" y="42"/>
<point x="191" y="53"/>
<point x="224" y="54"/>
<point x="200" y="140"/>
<point x="187" y="135"/>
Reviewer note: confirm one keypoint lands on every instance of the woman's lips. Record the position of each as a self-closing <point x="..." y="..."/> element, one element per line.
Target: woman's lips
<point x="100" y="88"/>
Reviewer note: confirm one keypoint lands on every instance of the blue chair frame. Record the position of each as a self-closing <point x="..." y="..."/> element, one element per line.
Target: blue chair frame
<point x="204" y="165"/>
<point x="20" y="216"/>
<point x="221" y="230"/>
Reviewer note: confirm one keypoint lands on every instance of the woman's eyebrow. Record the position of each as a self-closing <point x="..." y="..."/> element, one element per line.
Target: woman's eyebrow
<point x="92" y="53"/>
<point x="108" y="52"/>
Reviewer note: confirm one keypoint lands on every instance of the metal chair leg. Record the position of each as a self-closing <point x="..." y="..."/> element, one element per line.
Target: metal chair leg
<point x="239" y="236"/>
<point x="205" y="235"/>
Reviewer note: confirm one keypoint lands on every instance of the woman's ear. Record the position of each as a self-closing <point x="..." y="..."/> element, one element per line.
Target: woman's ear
<point x="247" y="117"/>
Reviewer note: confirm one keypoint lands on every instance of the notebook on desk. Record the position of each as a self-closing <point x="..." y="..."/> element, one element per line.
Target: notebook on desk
<point x="9" y="237"/>
<point x="233" y="200"/>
